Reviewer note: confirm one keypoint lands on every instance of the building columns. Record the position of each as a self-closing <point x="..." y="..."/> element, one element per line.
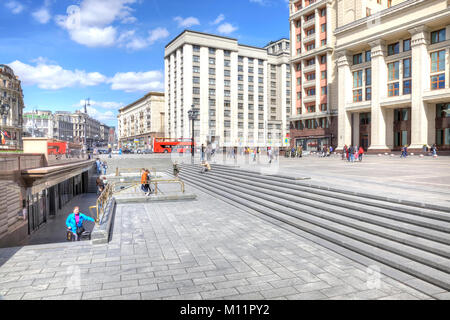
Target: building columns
<point x="379" y="91"/>
<point x="345" y="98"/>
<point x="420" y="83"/>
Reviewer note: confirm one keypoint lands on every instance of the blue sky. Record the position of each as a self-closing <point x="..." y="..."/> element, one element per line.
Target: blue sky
<point x="112" y="51"/>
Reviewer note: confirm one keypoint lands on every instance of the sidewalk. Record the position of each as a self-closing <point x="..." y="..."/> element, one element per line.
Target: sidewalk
<point x="55" y="229"/>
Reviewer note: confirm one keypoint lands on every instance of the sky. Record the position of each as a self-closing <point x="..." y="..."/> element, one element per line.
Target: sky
<point x="112" y="51"/>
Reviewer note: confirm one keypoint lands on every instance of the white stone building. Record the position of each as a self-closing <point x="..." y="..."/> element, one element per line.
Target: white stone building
<point x="243" y="92"/>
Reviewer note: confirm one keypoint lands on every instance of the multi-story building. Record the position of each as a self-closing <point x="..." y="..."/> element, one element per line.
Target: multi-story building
<point x="314" y="86"/>
<point x="38" y="123"/>
<point x="142" y="120"/>
<point x="85" y="128"/>
<point x="11" y="109"/>
<point x="242" y="92"/>
<point x="393" y="73"/>
<point x="62" y="126"/>
<point x="104" y="134"/>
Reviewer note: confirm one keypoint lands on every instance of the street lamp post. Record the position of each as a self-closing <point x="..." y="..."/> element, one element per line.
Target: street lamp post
<point x="193" y="113"/>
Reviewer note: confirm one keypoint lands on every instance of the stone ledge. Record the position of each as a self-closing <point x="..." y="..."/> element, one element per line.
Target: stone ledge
<point x="100" y="234"/>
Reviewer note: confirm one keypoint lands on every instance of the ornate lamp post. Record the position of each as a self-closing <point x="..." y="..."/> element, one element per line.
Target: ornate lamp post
<point x="193" y="114"/>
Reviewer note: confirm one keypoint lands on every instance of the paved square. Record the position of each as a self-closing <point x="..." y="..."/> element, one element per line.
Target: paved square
<point x="203" y="249"/>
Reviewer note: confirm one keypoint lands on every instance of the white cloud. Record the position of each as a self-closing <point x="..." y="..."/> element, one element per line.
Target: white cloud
<point x="42" y="15"/>
<point x="219" y="19"/>
<point x="186" y="22"/>
<point x="15" y="6"/>
<point x="54" y="77"/>
<point x="157" y="34"/>
<point x="226" y="28"/>
<point x="91" y="24"/>
<point x="137" y="81"/>
<point x="100" y="115"/>
<point x="102" y="104"/>
<point x="131" y="41"/>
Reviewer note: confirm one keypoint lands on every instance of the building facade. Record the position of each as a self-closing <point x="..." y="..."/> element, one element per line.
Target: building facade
<point x="242" y="92"/>
<point x="393" y="74"/>
<point x="85" y="129"/>
<point x="62" y="126"/>
<point x="38" y="123"/>
<point x="11" y="109"/>
<point x="142" y="120"/>
<point x="314" y="92"/>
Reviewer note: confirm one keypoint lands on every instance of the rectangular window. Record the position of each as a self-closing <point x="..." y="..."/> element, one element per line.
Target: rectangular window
<point x="393" y="71"/>
<point x="212" y="51"/>
<point x="368" y="94"/>
<point x="407" y="45"/>
<point x="393" y="48"/>
<point x="438" y="82"/>
<point x="323" y="12"/>
<point x="196" y="58"/>
<point x="357" y="79"/>
<point x="443" y="110"/>
<point x="438" y="36"/>
<point x="311" y="109"/>
<point x="323" y="75"/>
<point x="212" y="71"/>
<point x="323" y="59"/>
<point x="311" y="92"/>
<point x="323" y="42"/>
<point x="438" y="61"/>
<point x="368" y="77"/>
<point x="357" y="95"/>
<point x="324" y="91"/>
<point x="407" y="68"/>
<point x="226" y="63"/>
<point x="211" y="81"/>
<point x="196" y="79"/>
<point x="212" y="61"/>
<point x="368" y="56"/>
<point x="196" y="69"/>
<point x="310" y="32"/>
<point x="311" y="76"/>
<point x="323" y="27"/>
<point x="357" y="58"/>
<point x="393" y="89"/>
<point x="311" y="46"/>
<point x="407" y="87"/>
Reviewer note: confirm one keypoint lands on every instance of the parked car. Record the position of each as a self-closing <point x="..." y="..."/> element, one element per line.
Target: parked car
<point x="147" y="151"/>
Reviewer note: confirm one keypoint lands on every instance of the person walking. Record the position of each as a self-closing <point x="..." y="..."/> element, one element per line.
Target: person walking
<point x="360" y="154"/>
<point x="351" y="154"/>
<point x="345" y="152"/>
<point x="98" y="164"/>
<point x="434" y="150"/>
<point x="144" y="180"/>
<point x="104" y="167"/>
<point x="254" y="154"/>
<point x="176" y="169"/>
<point x="74" y="222"/>
<point x="269" y="154"/>
<point x="202" y="155"/>
<point x="100" y="185"/>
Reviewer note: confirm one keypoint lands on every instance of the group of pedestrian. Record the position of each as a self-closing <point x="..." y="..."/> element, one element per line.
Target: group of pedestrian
<point x="294" y="152"/>
<point x="145" y="182"/>
<point x="101" y="166"/>
<point x="353" y="153"/>
<point x="326" y="151"/>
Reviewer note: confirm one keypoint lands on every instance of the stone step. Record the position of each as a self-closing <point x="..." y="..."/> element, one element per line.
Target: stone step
<point x="419" y="209"/>
<point x="343" y="236"/>
<point x="410" y="224"/>
<point x="366" y="232"/>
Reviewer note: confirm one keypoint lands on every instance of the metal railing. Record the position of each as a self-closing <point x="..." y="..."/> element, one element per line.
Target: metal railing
<point x="111" y="189"/>
<point x="102" y="201"/>
<point x="132" y="170"/>
<point x="136" y="184"/>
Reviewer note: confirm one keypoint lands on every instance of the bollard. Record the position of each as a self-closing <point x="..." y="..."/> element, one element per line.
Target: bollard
<point x="117" y="171"/>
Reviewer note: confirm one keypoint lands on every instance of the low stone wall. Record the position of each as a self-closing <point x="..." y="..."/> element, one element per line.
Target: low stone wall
<point x="101" y="232"/>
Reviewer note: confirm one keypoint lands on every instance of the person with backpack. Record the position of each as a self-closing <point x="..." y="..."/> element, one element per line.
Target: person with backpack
<point x="350" y="154"/>
<point x="104" y="167"/>
<point x="74" y="223"/>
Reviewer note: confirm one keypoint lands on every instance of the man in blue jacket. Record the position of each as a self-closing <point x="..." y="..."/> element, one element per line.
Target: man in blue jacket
<point x="75" y="221"/>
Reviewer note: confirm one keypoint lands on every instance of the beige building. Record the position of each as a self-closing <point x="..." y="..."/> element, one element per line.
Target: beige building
<point x="142" y="120"/>
<point x="243" y="92"/>
<point x="314" y="73"/>
<point x="85" y="129"/>
<point x="11" y="109"/>
<point x="393" y="74"/>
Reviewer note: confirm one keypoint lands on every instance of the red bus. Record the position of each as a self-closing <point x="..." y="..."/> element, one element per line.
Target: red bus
<point x="168" y="145"/>
<point x="55" y="148"/>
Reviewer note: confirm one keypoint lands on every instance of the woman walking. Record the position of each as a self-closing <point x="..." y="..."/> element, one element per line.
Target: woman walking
<point x="360" y="154"/>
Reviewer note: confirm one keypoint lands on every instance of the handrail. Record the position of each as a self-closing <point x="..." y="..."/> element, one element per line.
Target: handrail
<point x="155" y="182"/>
<point x="129" y="170"/>
<point x="110" y="190"/>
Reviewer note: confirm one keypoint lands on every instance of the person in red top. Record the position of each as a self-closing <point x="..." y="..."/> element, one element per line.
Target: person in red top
<point x="360" y="153"/>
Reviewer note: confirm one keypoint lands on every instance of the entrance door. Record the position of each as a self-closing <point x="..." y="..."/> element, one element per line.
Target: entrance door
<point x="364" y="141"/>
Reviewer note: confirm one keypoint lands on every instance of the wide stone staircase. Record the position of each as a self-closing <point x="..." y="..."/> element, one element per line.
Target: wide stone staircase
<point x="410" y="242"/>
